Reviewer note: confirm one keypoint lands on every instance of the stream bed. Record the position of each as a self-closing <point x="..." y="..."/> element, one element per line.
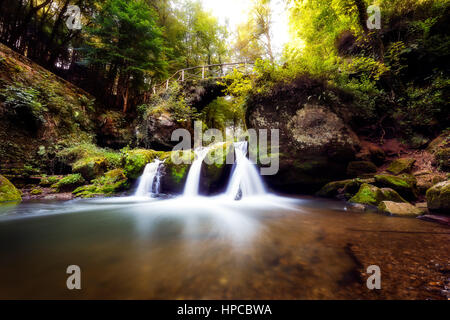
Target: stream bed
<point x="264" y="247"/>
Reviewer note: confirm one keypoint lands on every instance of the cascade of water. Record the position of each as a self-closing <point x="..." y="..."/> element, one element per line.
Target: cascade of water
<point x="245" y="179"/>
<point x="192" y="186"/>
<point x="149" y="182"/>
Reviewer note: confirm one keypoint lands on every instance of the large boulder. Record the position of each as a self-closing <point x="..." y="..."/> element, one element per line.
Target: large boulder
<point x="8" y="192"/>
<point x="400" y="209"/>
<point x="371" y="195"/>
<point x="155" y="131"/>
<point x="315" y="143"/>
<point x="438" y="197"/>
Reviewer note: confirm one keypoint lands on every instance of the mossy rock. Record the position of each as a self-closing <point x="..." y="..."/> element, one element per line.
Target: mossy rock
<point x="400" y="209"/>
<point x="215" y="170"/>
<point x="175" y="170"/>
<point x="36" y="191"/>
<point x="403" y="165"/>
<point x="443" y="159"/>
<point x="8" y="192"/>
<point x="426" y="180"/>
<point x="331" y="189"/>
<point x="134" y="161"/>
<point x="49" y="181"/>
<point x="404" y="184"/>
<point x="372" y="195"/>
<point x="347" y="187"/>
<point x="361" y="168"/>
<point x="112" y="182"/>
<point x="438" y="197"/>
<point x="90" y="168"/>
<point x="69" y="183"/>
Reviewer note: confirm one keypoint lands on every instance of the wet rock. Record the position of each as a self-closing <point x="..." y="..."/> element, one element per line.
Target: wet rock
<point x="399" y="209"/>
<point x="8" y="192"/>
<point x="438" y="197"/>
<point x="372" y="195"/>
<point x="435" y="218"/>
<point x="404" y="184"/>
<point x="361" y="168"/>
<point x="346" y="188"/>
<point x="175" y="170"/>
<point x="403" y="165"/>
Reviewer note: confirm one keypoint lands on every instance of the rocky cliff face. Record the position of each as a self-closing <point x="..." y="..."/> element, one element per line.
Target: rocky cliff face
<point x="316" y="144"/>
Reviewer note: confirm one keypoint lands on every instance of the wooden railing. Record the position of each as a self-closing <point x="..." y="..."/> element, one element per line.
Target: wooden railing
<point x="212" y="71"/>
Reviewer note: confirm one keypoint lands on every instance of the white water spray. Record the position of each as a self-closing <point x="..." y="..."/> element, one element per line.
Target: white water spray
<point x="150" y="181"/>
<point x="192" y="187"/>
<point x="245" y="180"/>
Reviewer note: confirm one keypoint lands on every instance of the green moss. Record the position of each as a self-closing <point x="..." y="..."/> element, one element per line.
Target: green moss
<point x="372" y="195"/>
<point x="134" y="161"/>
<point x="69" y="183"/>
<point x="332" y="189"/>
<point x="49" y="181"/>
<point x="36" y="191"/>
<point x="8" y="192"/>
<point x="90" y="168"/>
<point x="368" y="194"/>
<point x="111" y="183"/>
<point x="401" y="165"/>
<point x="404" y="184"/>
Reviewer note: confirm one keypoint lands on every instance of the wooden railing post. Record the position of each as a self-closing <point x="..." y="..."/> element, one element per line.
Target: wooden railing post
<point x="203" y="72"/>
<point x="182" y="75"/>
<point x="167" y="84"/>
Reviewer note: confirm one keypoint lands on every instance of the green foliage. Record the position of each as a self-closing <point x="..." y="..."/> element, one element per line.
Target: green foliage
<point x="172" y="101"/>
<point x="81" y="153"/>
<point x="69" y="183"/>
<point x="24" y="104"/>
<point x="368" y="67"/>
<point x="112" y="182"/>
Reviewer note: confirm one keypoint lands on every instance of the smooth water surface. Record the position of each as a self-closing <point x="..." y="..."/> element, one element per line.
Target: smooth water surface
<point x="212" y="248"/>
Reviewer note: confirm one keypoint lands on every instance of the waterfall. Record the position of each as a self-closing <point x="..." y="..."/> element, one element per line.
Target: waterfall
<point x="193" y="180"/>
<point x="245" y="179"/>
<point x="149" y="182"/>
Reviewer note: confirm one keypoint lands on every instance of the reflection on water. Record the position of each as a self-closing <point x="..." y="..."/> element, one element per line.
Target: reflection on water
<point x="212" y="248"/>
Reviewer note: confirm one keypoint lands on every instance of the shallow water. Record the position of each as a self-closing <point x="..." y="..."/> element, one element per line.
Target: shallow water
<point x="213" y="248"/>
